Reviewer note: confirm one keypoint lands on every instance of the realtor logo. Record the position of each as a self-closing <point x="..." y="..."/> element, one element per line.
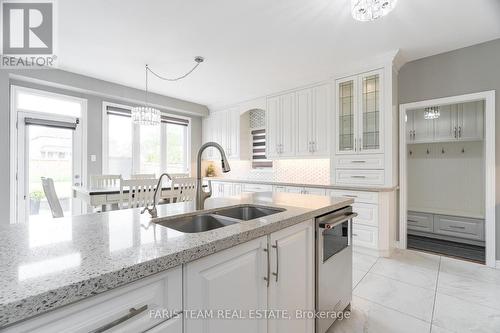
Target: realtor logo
<point x="27" y="33"/>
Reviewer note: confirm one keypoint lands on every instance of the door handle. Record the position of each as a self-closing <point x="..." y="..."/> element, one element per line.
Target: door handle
<point x="275" y="246"/>
<point x="132" y="313"/>
<point x="267" y="278"/>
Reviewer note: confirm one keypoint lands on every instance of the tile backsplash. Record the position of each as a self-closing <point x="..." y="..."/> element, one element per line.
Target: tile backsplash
<point x="300" y="171"/>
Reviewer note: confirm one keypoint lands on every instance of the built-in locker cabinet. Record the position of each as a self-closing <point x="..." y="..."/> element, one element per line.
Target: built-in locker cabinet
<point x="456" y="122"/>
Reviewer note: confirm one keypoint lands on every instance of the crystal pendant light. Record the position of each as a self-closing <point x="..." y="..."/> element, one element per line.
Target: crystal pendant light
<point x="146" y="115"/>
<point x="432" y="112"/>
<point x="369" y="10"/>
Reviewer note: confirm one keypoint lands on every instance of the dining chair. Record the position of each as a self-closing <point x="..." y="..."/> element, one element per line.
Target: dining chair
<point x="143" y="176"/>
<point x="183" y="189"/>
<point x="105" y="181"/>
<point x="51" y="195"/>
<point x="140" y="192"/>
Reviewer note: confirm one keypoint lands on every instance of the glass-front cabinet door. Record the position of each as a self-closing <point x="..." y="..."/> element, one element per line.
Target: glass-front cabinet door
<point x="370" y="112"/>
<point x="346" y="114"/>
<point x="359" y="113"/>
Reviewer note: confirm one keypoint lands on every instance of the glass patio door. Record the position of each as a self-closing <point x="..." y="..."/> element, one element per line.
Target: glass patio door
<point x="49" y="145"/>
<point x="51" y="148"/>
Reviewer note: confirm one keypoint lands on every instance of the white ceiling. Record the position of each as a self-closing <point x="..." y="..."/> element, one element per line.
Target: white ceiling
<point x="253" y="47"/>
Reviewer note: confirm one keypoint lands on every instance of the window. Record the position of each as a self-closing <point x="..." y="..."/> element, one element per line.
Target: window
<point x="130" y="148"/>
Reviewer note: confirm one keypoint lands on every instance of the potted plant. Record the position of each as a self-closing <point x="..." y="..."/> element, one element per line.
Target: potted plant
<point x="35" y="198"/>
<point x="210" y="172"/>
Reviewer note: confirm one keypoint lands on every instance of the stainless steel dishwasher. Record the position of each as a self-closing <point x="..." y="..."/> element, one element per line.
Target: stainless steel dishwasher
<point x="333" y="265"/>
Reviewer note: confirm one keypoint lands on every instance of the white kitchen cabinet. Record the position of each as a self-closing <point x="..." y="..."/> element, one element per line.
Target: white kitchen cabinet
<point x="274" y="272"/>
<point x="162" y="291"/>
<point x="292" y="276"/>
<point x="224" y="127"/>
<point x="170" y="326"/>
<point x="359" y="113"/>
<point x="441" y="129"/>
<point x="232" y="279"/>
<point x="313" y="116"/>
<point x="281" y="126"/>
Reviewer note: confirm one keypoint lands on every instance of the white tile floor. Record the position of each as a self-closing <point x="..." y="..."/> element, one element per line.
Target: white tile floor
<point x="419" y="292"/>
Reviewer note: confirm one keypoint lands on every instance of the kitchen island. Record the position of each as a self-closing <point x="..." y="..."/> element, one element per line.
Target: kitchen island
<point x="45" y="266"/>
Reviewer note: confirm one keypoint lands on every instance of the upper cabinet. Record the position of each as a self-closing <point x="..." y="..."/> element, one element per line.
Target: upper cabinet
<point x="298" y="123"/>
<point x="359" y="113"/>
<point x="227" y="128"/>
<point x="313" y="121"/>
<point x="457" y="122"/>
<point x="280" y="125"/>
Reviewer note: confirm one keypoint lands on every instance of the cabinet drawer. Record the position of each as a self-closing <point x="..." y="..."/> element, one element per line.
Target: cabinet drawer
<point x="367" y="214"/>
<point x="420" y="221"/>
<point x="257" y="188"/>
<point x="365" y="197"/>
<point x="459" y="227"/>
<point x="365" y="236"/>
<point x="360" y="162"/>
<point x="173" y="325"/>
<point x="163" y="291"/>
<point x="314" y="191"/>
<point x="359" y="177"/>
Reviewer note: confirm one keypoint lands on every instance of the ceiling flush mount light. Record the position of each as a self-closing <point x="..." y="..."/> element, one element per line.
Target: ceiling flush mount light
<point x="147" y="115"/>
<point x="432" y="113"/>
<point x="369" y="10"/>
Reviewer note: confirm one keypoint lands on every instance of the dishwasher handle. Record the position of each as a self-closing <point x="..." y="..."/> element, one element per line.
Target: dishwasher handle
<point x="330" y="223"/>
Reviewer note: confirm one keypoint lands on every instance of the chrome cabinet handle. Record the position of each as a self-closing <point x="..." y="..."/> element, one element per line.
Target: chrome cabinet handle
<point x="455" y="132"/>
<point x="266" y="278"/>
<point x="310" y="146"/>
<point x="132" y="313"/>
<point x="355" y="144"/>
<point x="459" y="131"/>
<point x="277" y="260"/>
<point x="413" y="221"/>
<point x="455" y="227"/>
<point x="360" y="144"/>
<point x="358" y="161"/>
<point x="358" y="176"/>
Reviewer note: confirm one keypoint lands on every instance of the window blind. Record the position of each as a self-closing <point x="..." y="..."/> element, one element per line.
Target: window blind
<point x="119" y="111"/>
<point x="52" y="123"/>
<point x="259" y="158"/>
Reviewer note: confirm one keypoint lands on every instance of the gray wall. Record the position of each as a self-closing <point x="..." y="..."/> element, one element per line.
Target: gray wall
<point x="95" y="92"/>
<point x="468" y="70"/>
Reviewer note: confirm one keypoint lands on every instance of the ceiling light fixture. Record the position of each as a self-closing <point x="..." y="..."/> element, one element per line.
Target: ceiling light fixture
<point x="369" y="10"/>
<point x="432" y="112"/>
<point x="147" y="115"/>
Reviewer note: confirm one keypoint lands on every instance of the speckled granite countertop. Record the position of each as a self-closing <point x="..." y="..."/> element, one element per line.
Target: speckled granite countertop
<point x="48" y="264"/>
<point x="326" y="187"/>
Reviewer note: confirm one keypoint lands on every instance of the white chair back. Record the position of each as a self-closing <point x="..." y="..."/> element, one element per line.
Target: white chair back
<point x="52" y="199"/>
<point x="183" y="189"/>
<point x="105" y="181"/>
<point x="143" y="176"/>
<point x="140" y="192"/>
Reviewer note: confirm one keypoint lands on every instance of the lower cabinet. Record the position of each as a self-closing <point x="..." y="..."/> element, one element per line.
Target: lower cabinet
<point x="124" y="309"/>
<point x="273" y="272"/>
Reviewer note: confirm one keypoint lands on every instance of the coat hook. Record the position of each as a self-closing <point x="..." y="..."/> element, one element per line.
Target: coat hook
<point x="463" y="150"/>
<point x="442" y="150"/>
<point x="428" y="152"/>
<point x="411" y="152"/>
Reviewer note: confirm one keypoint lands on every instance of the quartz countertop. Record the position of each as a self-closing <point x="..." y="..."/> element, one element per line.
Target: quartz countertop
<point x="326" y="186"/>
<point x="48" y="264"/>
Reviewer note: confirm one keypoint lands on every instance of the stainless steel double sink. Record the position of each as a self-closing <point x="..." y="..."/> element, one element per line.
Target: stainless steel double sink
<point x="219" y="218"/>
